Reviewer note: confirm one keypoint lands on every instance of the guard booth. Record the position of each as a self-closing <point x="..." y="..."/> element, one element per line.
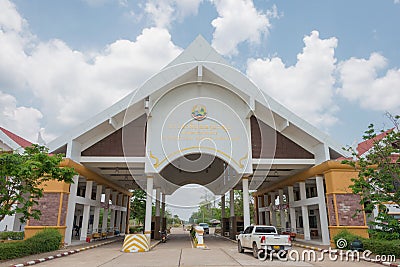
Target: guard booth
<point x="236" y="225"/>
<point x="158" y="224"/>
<point x="225" y="229"/>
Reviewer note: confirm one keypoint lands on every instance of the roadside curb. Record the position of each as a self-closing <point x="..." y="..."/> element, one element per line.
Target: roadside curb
<point x="343" y="252"/>
<point x="29" y="263"/>
<point x="154" y="245"/>
<point x="157" y="243"/>
<point x="227" y="238"/>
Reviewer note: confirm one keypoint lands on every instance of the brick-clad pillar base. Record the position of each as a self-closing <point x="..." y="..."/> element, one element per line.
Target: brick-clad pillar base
<point x="343" y="206"/>
<point x="53" y="207"/>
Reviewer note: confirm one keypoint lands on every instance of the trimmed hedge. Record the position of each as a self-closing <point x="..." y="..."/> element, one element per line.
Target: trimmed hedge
<point x="375" y="245"/>
<point x="11" y="235"/>
<point x="377" y="234"/>
<point x="44" y="241"/>
<point x="14" y="250"/>
<point x="349" y="237"/>
<point x="383" y="247"/>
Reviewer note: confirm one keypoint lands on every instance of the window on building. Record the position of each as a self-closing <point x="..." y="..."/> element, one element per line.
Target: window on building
<point x="313" y="221"/>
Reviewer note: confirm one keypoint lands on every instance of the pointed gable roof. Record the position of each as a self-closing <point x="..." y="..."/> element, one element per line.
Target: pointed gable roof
<point x="199" y="50"/>
<point x="13" y="140"/>
<point x="200" y="54"/>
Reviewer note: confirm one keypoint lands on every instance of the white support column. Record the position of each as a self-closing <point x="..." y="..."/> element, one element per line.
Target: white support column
<point x="246" y="204"/>
<point x="163" y="205"/>
<point x="323" y="216"/>
<point x="86" y="211"/>
<point x="149" y="192"/>
<point x="222" y="207"/>
<point x="158" y="196"/>
<point x="232" y="203"/>
<point x="260" y="219"/>
<point x="114" y="202"/>
<point x="71" y="210"/>
<point x="282" y="211"/>
<point x="118" y="220"/>
<point x="162" y="226"/>
<point x="99" y="190"/>
<point x="74" y="153"/>
<point x="267" y="213"/>
<point x="273" y="213"/>
<point x="157" y="222"/>
<point x="304" y="212"/>
<point x="292" y="211"/>
<point x="124" y="213"/>
<point x="104" y="225"/>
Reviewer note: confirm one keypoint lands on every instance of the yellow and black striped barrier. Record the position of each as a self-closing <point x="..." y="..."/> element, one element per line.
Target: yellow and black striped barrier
<point x="136" y="243"/>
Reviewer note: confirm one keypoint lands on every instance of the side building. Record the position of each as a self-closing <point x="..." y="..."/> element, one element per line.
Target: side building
<point x="12" y="143"/>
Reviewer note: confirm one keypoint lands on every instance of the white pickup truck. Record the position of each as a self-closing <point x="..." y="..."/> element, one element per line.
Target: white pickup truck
<point x="264" y="238"/>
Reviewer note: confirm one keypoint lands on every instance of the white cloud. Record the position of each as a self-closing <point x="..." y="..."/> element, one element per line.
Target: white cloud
<point x="307" y="88"/>
<point x="24" y="121"/>
<point x="9" y="17"/>
<point x="164" y="12"/>
<point x="239" y="21"/>
<point x="187" y="7"/>
<point x="360" y="82"/>
<point x="71" y="86"/>
<point x="97" y="3"/>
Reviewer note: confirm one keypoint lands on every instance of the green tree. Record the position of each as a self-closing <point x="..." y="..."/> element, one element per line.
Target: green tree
<point x="378" y="181"/>
<point x="22" y="177"/>
<point x="138" y="205"/>
<point x="207" y="211"/>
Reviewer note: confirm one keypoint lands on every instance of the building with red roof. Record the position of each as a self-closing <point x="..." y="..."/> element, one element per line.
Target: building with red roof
<point x="10" y="141"/>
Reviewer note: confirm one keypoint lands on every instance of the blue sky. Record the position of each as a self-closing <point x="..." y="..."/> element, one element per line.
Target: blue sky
<point x="334" y="63"/>
<point x="257" y="30"/>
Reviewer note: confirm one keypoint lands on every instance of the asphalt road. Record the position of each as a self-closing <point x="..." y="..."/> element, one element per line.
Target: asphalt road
<point x="178" y="251"/>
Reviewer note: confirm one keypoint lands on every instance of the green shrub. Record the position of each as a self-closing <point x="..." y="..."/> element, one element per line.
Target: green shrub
<point x="373" y="244"/>
<point x="44" y="241"/>
<point x="349" y="237"/>
<point x="378" y="234"/>
<point x="135" y="229"/>
<point x="13" y="250"/>
<point x="382" y="247"/>
<point x="11" y="235"/>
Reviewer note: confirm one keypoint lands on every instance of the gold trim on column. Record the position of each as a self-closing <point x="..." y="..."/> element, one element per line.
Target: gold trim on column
<point x="336" y="210"/>
<point x="365" y="218"/>
<point x="60" y="208"/>
<point x="350" y="226"/>
<point x="327" y="205"/>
